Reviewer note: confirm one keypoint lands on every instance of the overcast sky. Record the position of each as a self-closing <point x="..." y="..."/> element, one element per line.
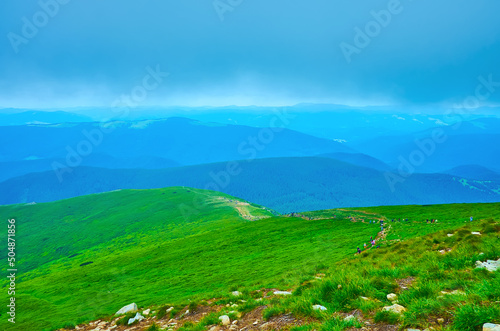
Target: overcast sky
<point x="262" y="52"/>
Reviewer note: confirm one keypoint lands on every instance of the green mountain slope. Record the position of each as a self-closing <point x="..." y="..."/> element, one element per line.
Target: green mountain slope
<point x="84" y="258"/>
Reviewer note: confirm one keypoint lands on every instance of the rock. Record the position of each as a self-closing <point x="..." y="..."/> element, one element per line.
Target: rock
<point x="146" y="312"/>
<point x="234" y="305"/>
<point x="170" y="309"/>
<point x="256" y="322"/>
<point x="449" y="235"/>
<point x="458" y="292"/>
<point x="282" y="293"/>
<point x="442" y="251"/>
<point x="490" y="265"/>
<point x="349" y="318"/>
<point x="392" y="297"/>
<point x="138" y="317"/>
<point x="365" y="298"/>
<point x="395" y="308"/>
<point x="440" y="320"/>
<point x="233" y="327"/>
<point x="225" y="320"/>
<point x="339" y="287"/>
<point x="319" y="307"/>
<point x="127" y="309"/>
<point x="476" y="233"/>
<point x="235" y="322"/>
<point x="491" y="327"/>
<point x="214" y="328"/>
<point x="236" y="293"/>
<point x="412" y="330"/>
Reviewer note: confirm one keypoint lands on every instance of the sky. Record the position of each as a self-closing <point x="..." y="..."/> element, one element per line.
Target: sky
<point x="70" y="53"/>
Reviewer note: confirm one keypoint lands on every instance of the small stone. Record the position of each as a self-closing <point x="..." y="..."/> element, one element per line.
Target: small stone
<point x="339" y="287"/>
<point x="491" y="327"/>
<point x="138" y="317"/>
<point x="127" y="309"/>
<point x="282" y="293"/>
<point x="170" y="309"/>
<point x="236" y="293"/>
<point x="450" y="234"/>
<point x="319" y="307"/>
<point x="392" y="297"/>
<point x="395" y="308"/>
<point x="365" y="298"/>
<point x="235" y="322"/>
<point x="146" y="312"/>
<point x="349" y="318"/>
<point x="256" y="322"/>
<point x="213" y="328"/>
<point x="225" y="320"/>
<point x="476" y="233"/>
<point x="412" y="330"/>
<point x="440" y="320"/>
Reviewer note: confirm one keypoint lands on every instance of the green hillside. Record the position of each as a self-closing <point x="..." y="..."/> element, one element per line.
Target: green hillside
<point x="84" y="258"/>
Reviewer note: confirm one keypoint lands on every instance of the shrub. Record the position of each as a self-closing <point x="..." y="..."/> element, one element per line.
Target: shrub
<point x="210" y="319"/>
<point x="192" y="306"/>
<point x="124" y="319"/>
<point x="271" y="312"/>
<point x="153" y="327"/>
<point x="161" y="312"/>
<point x="471" y="316"/>
<point x="386" y="316"/>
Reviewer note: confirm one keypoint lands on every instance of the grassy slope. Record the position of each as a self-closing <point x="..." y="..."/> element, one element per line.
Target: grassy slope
<point x="149" y="247"/>
<point x="426" y="264"/>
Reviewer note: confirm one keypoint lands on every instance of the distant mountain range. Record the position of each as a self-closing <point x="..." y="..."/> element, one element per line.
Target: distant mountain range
<point x="180" y="140"/>
<point x="474" y="142"/>
<point x="285" y="184"/>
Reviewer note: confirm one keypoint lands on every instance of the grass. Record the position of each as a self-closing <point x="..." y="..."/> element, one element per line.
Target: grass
<point x="178" y="244"/>
<point x="144" y="250"/>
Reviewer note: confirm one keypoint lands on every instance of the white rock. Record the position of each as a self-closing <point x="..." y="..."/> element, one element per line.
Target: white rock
<point x="213" y="328"/>
<point x="225" y="320"/>
<point x="395" y="308"/>
<point x="491" y="327"/>
<point x="349" y="318"/>
<point x="365" y="298"/>
<point x="170" y="309"/>
<point x="319" y="307"/>
<point x="282" y="293"/>
<point x="127" y="309"/>
<point x="490" y="265"/>
<point x="449" y="235"/>
<point x="392" y="297"/>
<point x="146" y="312"/>
<point x="412" y="330"/>
<point x="236" y="293"/>
<point x="476" y="233"/>
<point x="138" y="317"/>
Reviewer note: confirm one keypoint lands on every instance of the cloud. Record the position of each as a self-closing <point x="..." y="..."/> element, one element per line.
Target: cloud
<point x="279" y="52"/>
